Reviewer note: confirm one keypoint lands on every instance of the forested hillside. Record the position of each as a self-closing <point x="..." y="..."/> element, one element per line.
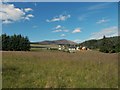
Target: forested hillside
<point x="107" y="45"/>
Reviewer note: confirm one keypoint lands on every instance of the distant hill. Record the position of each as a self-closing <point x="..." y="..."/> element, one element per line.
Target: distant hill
<point x="111" y="44"/>
<point x="96" y="43"/>
<point x="61" y="41"/>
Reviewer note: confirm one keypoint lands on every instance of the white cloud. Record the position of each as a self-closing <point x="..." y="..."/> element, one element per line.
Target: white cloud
<point x="62" y="35"/>
<point x="108" y="32"/>
<point x="28" y="16"/>
<point x="102" y="21"/>
<point x="28" y="9"/>
<point x="58" y="27"/>
<point x="11" y="14"/>
<point x="59" y="30"/>
<point x="77" y="30"/>
<point x="59" y="18"/>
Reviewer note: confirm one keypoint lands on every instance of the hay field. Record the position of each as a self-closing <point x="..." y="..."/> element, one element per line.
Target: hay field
<point x="51" y="69"/>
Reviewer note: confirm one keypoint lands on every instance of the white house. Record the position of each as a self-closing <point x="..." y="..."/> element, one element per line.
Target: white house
<point x="69" y="48"/>
<point x="61" y="47"/>
<point x="72" y="49"/>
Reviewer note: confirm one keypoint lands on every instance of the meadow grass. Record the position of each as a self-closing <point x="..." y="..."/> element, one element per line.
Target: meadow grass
<point x="49" y="46"/>
<point x="56" y="69"/>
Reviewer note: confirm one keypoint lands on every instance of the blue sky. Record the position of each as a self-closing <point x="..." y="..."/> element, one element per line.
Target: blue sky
<point x="78" y="21"/>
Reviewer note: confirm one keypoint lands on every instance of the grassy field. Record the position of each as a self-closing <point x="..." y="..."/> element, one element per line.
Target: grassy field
<point x="46" y="69"/>
<point x="48" y="46"/>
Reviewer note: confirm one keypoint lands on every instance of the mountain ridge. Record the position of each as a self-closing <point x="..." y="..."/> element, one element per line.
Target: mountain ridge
<point x="60" y="41"/>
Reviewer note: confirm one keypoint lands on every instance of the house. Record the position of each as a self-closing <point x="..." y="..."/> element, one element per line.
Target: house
<point x="68" y="48"/>
<point x="61" y="47"/>
<point x="71" y="49"/>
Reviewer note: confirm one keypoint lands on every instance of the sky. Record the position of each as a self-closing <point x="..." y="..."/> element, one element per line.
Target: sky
<point x="76" y="21"/>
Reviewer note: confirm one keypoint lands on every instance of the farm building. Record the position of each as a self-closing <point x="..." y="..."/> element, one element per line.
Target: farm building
<point x="71" y="48"/>
<point x="61" y="47"/>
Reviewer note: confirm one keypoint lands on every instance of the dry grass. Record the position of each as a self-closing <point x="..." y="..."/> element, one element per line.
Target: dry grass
<point x="48" y="46"/>
<point x="85" y="69"/>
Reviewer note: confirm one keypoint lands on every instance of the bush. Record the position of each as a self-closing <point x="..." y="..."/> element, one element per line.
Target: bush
<point x="53" y="49"/>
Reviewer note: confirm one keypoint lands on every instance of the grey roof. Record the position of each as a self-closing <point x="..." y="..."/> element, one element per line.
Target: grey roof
<point x="72" y="47"/>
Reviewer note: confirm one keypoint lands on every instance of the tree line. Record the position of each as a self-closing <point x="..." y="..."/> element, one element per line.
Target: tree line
<point x="15" y="43"/>
<point x="107" y="45"/>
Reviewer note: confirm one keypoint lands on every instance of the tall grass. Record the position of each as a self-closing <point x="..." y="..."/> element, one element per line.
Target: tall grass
<point x="46" y="69"/>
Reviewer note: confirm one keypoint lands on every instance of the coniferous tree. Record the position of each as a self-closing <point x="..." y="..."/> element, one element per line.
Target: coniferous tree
<point x="15" y="43"/>
<point x="27" y="43"/>
<point x="5" y="42"/>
